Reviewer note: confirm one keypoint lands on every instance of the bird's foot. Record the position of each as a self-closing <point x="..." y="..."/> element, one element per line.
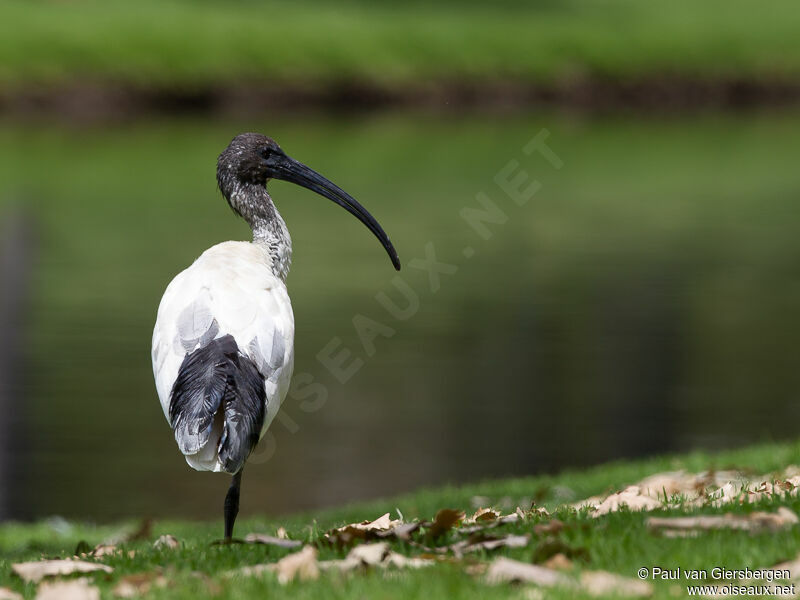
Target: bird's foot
<point x="227" y="542"/>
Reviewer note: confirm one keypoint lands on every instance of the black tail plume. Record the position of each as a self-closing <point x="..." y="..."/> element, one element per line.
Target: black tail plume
<point x="212" y="378"/>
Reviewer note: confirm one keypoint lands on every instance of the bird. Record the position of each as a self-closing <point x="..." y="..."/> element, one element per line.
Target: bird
<point x="223" y="341"/>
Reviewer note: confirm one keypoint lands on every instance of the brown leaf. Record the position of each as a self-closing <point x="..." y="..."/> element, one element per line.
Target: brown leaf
<point x="401" y="532"/>
<point x="166" y="542"/>
<point x="260" y="538"/>
<point x="104" y="550"/>
<point x="382" y="523"/>
<point x="484" y="515"/>
<point x="395" y="559"/>
<point x="370" y="554"/>
<point x="490" y="543"/>
<point x="347" y="535"/>
<point x="596" y="583"/>
<point x="365" y="530"/>
<point x="300" y="565"/>
<point x="7" y="594"/>
<point x="753" y="522"/>
<point x="37" y="570"/>
<point x="553" y="526"/>
<point x="714" y="488"/>
<point x="374" y="555"/>
<point x="138" y="584"/>
<point x="507" y="570"/>
<point x="631" y="498"/>
<point x="444" y="521"/>
<point x="79" y="589"/>
<point x="558" y="561"/>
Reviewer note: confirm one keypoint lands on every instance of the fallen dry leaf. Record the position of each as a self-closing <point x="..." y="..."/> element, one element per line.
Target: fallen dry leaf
<point x="38" y="570"/>
<point x="552" y="526"/>
<point x="104" y="550"/>
<point x="382" y="523"/>
<point x="480" y="542"/>
<point x="558" y="561"/>
<point x="370" y="554"/>
<point x="138" y="584"/>
<point x="507" y="570"/>
<point x="483" y="515"/>
<point x="401" y="532"/>
<point x="7" y="594"/>
<point x="754" y="522"/>
<point x="444" y="521"/>
<point x="167" y="541"/>
<point x="596" y="583"/>
<point x="281" y="534"/>
<point x="260" y="538"/>
<point x="374" y="555"/>
<point x="300" y="565"/>
<point x="365" y="530"/>
<point x="631" y="498"/>
<point x="603" y="583"/>
<point x="708" y="488"/>
<point x="395" y="559"/>
<point x="79" y="589"/>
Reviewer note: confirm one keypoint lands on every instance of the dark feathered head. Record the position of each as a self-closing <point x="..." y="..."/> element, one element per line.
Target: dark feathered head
<point x="252" y="159"/>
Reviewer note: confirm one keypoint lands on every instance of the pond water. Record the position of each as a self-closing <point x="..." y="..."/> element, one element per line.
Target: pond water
<point x="645" y="299"/>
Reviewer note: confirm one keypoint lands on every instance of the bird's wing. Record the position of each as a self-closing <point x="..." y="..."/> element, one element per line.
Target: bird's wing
<point x="231" y="292"/>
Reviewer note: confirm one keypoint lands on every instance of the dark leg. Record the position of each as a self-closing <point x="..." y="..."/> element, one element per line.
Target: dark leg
<point x="232" y="505"/>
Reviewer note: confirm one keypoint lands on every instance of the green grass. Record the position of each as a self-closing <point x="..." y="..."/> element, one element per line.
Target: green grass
<point x="618" y="542"/>
<point x="188" y="43"/>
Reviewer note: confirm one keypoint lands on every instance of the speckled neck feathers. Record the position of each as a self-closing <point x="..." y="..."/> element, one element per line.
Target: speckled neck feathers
<point x="242" y="178"/>
<point x="253" y="203"/>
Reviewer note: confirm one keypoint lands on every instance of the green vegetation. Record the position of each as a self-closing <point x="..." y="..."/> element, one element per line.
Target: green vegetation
<point x="618" y="542"/>
<point x="190" y="43"/>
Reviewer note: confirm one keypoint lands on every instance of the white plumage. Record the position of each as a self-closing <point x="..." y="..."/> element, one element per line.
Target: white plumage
<point x="230" y="289"/>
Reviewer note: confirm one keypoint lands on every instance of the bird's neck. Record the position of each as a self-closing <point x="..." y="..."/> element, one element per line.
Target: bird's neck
<point x="269" y="229"/>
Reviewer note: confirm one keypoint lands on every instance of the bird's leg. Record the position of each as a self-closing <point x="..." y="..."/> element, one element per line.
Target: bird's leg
<point x="232" y="506"/>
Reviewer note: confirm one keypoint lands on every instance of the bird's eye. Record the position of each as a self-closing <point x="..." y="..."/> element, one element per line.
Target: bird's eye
<point x="266" y="152"/>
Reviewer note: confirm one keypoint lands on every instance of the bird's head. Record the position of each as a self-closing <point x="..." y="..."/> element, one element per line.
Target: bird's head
<point x="252" y="159"/>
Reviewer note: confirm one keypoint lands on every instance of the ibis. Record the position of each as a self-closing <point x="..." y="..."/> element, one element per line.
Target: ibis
<point x="223" y="342"/>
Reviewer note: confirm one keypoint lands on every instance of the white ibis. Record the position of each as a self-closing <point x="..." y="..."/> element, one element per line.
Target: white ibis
<point x="223" y="343"/>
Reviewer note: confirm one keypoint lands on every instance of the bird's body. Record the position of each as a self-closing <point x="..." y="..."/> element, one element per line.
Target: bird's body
<point x="223" y="343"/>
<point x="229" y="290"/>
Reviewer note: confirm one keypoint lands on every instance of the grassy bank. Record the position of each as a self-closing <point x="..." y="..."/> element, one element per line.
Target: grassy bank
<point x="618" y="542"/>
<point x="184" y="44"/>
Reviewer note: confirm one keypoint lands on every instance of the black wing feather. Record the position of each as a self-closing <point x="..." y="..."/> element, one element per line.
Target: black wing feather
<point x="213" y="376"/>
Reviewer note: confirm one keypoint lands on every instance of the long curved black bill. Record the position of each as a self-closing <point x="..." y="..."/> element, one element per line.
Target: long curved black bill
<point x="289" y="169"/>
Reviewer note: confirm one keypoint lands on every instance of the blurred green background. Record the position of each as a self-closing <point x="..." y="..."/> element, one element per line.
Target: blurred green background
<point x="645" y="300"/>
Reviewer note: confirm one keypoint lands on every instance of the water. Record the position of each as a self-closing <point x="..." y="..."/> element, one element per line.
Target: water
<point x="644" y="300"/>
